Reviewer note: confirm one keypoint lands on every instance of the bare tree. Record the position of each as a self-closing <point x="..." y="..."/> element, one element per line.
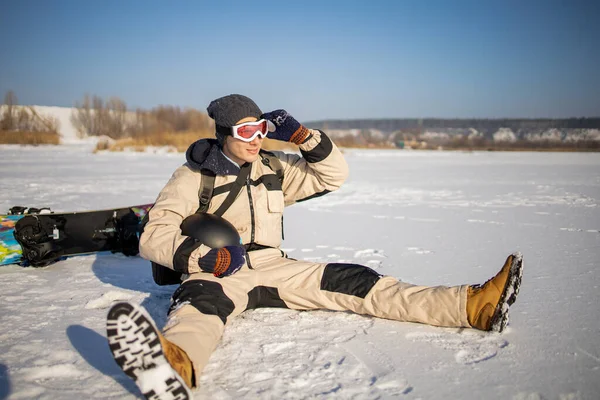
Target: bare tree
<point x="82" y="118"/>
<point x="95" y="117"/>
<point x="39" y="123"/>
<point x="7" y="121"/>
<point x="116" y="118"/>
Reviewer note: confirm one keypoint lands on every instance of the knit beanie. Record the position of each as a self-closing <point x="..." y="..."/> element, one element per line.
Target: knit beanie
<point x="228" y="110"/>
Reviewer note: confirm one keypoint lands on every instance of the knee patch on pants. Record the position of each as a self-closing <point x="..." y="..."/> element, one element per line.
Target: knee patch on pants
<point x="264" y="296"/>
<point x="206" y="296"/>
<point x="353" y="279"/>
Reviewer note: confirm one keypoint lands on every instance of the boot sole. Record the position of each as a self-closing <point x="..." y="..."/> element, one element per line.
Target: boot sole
<point x="509" y="294"/>
<point x="134" y="342"/>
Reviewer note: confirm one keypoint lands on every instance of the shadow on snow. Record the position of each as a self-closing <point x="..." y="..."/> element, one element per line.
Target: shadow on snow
<point x="130" y="274"/>
<point x="5" y="388"/>
<point x="94" y="350"/>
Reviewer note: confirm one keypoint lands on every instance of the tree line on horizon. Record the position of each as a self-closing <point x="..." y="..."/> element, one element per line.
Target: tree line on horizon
<point x="483" y="125"/>
<point x="178" y="127"/>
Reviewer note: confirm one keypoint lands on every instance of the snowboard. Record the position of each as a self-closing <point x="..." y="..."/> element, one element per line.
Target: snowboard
<point x="39" y="237"/>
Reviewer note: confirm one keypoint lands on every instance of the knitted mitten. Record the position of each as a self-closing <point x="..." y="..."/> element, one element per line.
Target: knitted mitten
<point x="287" y="128"/>
<point x="224" y="261"/>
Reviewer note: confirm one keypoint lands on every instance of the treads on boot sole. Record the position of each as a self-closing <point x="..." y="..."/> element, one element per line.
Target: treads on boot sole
<point x="134" y="341"/>
<point x="509" y="295"/>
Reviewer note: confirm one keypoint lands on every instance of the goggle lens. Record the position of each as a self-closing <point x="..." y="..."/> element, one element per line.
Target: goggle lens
<point x="248" y="131"/>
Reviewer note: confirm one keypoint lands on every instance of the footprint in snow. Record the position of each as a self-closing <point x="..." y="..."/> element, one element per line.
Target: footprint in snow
<point x="418" y="250"/>
<point x="425" y="219"/>
<point x="374" y="264"/>
<point x="107" y="299"/>
<point x="483" y="221"/>
<point x="571" y="229"/>
<point x="369" y="257"/>
<point x="468" y="348"/>
<point x="580" y="230"/>
<point x="369" y="253"/>
<point x="53" y="373"/>
<point x="277" y="347"/>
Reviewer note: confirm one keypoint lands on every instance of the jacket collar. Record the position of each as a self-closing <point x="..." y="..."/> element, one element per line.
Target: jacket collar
<point x="207" y="154"/>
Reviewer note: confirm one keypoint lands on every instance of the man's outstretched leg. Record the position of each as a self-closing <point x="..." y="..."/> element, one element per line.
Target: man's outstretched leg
<point x="487" y="304"/>
<point x="335" y="286"/>
<point x="160" y="368"/>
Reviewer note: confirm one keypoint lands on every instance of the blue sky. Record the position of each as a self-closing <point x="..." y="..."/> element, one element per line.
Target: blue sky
<point x="317" y="59"/>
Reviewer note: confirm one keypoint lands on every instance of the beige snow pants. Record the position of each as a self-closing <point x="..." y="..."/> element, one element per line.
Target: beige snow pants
<point x="203" y="304"/>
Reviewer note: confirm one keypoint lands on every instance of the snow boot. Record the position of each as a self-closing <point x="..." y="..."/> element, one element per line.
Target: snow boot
<point x="487" y="304"/>
<point x="160" y="368"/>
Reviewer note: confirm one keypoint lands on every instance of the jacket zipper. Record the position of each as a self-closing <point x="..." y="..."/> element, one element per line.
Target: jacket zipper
<point x="252" y="226"/>
<point x="251" y="210"/>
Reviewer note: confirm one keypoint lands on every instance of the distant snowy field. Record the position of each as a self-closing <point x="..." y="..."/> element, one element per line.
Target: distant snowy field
<point x="435" y="218"/>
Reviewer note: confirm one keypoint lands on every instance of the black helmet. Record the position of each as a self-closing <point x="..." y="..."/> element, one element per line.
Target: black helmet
<point x="210" y="230"/>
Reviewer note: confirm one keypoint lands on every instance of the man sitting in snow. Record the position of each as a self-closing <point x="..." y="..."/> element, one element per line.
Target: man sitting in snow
<point x="221" y="283"/>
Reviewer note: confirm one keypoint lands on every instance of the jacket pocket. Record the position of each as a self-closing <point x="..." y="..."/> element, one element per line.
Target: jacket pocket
<point x="275" y="201"/>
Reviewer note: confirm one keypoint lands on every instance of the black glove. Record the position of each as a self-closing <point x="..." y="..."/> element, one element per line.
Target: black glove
<point x="224" y="261"/>
<point x="287" y="128"/>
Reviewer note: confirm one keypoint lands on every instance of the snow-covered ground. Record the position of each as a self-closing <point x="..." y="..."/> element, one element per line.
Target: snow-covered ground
<point x="434" y="218"/>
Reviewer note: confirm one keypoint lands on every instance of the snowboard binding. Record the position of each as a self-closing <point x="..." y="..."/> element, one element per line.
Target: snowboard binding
<point x="36" y="240"/>
<point x="126" y="239"/>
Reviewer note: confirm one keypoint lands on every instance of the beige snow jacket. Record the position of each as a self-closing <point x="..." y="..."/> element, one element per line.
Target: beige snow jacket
<point x="257" y="211"/>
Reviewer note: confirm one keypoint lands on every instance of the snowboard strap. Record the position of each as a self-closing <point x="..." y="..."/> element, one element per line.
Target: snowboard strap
<point x="36" y="240"/>
<point x="127" y="234"/>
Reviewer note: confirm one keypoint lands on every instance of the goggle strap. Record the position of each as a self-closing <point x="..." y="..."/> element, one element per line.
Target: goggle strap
<point x="223" y="130"/>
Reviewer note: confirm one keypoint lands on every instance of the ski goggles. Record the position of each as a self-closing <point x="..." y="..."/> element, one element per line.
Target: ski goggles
<point x="248" y="131"/>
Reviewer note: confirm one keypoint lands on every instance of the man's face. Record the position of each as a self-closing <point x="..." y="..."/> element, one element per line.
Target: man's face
<point x="240" y="151"/>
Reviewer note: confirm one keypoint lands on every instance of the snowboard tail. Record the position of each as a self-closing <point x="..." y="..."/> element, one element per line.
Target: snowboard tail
<point x="40" y="239"/>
